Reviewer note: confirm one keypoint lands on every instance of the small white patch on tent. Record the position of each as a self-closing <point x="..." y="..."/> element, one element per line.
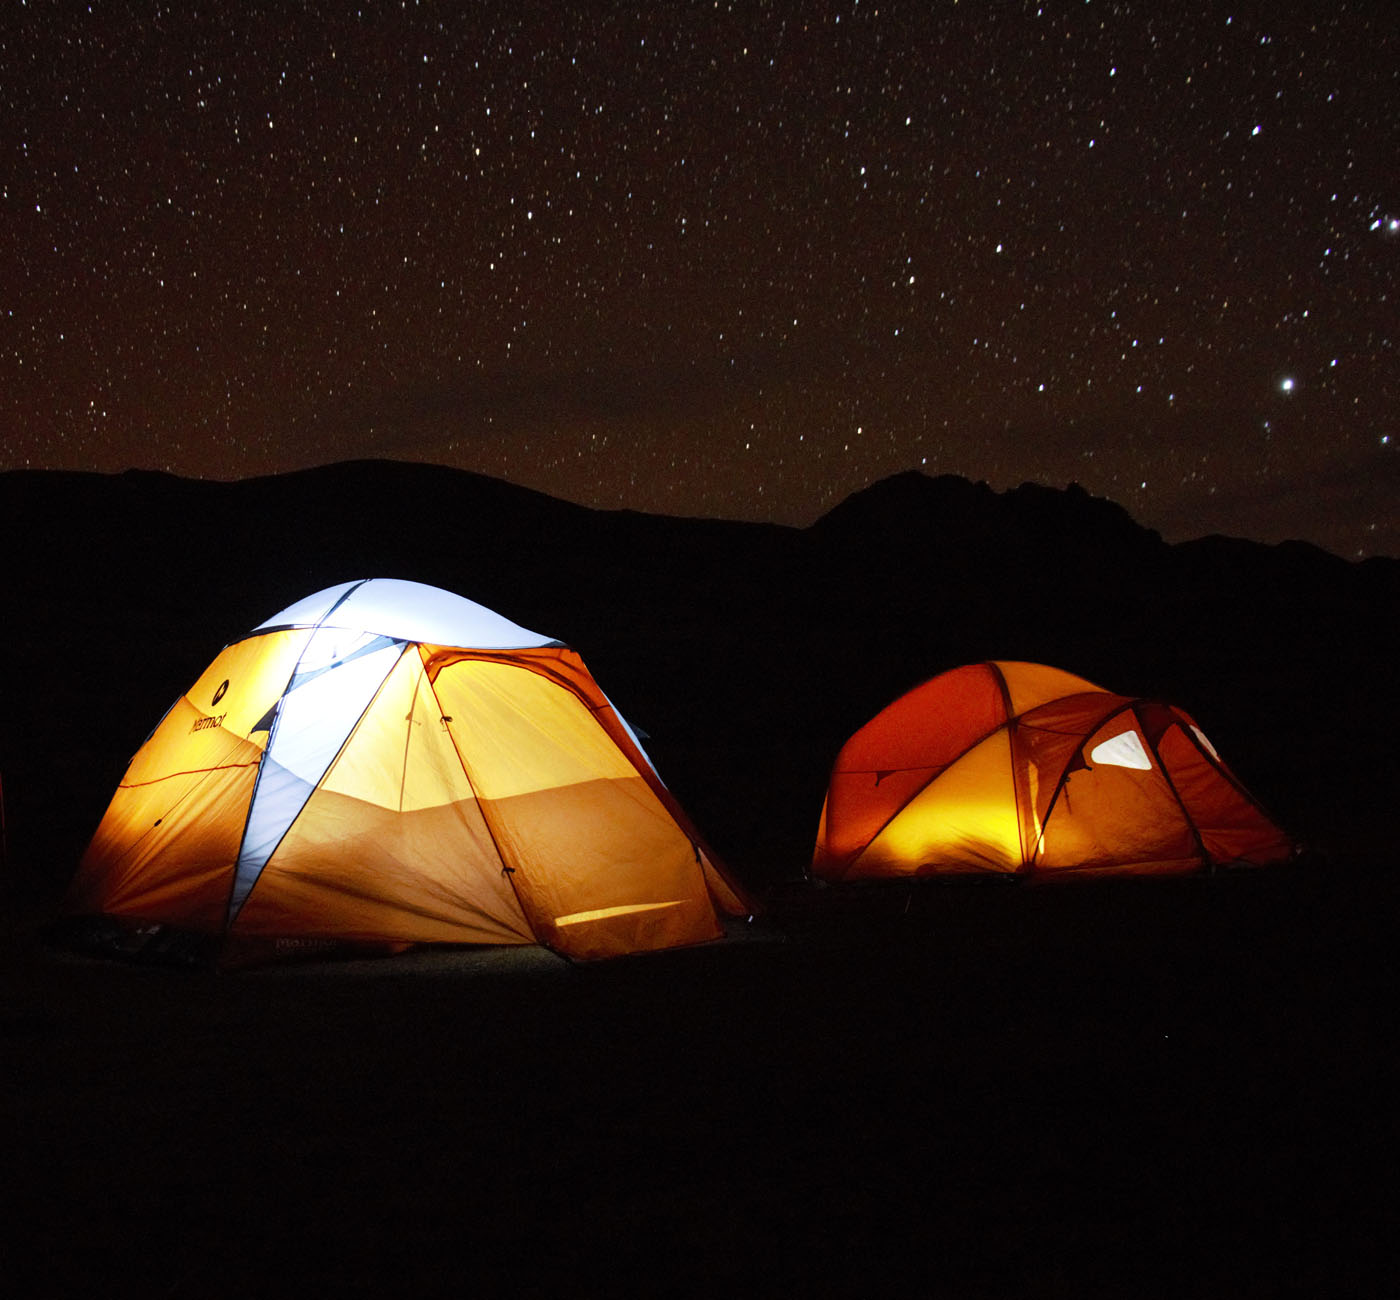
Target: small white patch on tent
<point x="1122" y="750"/>
<point x="1209" y="748"/>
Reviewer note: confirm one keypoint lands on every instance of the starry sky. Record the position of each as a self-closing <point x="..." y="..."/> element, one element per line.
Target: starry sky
<point x="732" y="258"/>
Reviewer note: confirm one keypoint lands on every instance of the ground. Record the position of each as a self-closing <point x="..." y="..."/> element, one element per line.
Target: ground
<point x="1177" y="1088"/>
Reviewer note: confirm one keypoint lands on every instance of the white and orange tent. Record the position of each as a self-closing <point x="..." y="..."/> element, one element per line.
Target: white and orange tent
<point x="386" y="764"/>
<point x="1019" y="769"/>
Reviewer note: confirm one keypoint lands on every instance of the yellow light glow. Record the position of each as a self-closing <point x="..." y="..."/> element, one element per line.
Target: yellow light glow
<point x="965" y="820"/>
<point x="601" y="913"/>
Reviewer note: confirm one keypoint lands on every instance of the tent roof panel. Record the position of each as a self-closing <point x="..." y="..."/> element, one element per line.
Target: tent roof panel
<point x="409" y="611"/>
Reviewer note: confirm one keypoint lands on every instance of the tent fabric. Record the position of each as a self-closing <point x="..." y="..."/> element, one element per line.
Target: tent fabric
<point x="333" y="777"/>
<point x="1018" y="768"/>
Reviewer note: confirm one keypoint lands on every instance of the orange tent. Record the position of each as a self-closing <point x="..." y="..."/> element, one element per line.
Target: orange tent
<point x="1017" y="768"/>
<point x="385" y="764"/>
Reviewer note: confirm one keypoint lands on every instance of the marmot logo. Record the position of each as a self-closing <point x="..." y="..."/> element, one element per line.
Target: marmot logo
<point x="205" y="724"/>
<point x="304" y="945"/>
<point x="219" y="694"/>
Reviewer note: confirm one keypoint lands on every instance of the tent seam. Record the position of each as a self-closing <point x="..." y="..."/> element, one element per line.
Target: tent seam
<point x="507" y="870"/>
<point x="271" y="737"/>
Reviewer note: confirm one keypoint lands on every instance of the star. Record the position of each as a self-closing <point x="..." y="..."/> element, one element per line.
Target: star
<point x="685" y="246"/>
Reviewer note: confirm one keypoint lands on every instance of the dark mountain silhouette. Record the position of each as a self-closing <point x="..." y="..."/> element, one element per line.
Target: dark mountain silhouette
<point x="746" y="652"/>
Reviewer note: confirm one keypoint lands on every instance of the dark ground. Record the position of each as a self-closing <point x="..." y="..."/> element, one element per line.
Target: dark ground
<point x="1181" y="1087"/>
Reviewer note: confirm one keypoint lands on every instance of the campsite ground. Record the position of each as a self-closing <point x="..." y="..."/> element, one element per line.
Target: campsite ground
<point x="1144" y="1088"/>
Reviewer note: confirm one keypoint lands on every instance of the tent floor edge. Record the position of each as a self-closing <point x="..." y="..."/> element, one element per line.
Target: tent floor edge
<point x="246" y="952"/>
<point x="132" y="939"/>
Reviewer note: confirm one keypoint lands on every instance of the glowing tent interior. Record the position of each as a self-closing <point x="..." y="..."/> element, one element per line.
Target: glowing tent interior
<point x="384" y="764"/>
<point x="1017" y="768"/>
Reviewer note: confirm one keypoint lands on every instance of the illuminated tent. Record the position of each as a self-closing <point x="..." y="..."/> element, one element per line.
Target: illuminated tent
<point x="385" y="764"/>
<point x="1021" y="769"/>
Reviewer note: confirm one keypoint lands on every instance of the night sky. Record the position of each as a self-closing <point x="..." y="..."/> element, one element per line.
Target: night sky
<point x="725" y="259"/>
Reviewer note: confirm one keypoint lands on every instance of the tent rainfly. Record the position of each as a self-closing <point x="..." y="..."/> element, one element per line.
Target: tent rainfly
<point x="1020" y="769"/>
<point x="386" y="764"/>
